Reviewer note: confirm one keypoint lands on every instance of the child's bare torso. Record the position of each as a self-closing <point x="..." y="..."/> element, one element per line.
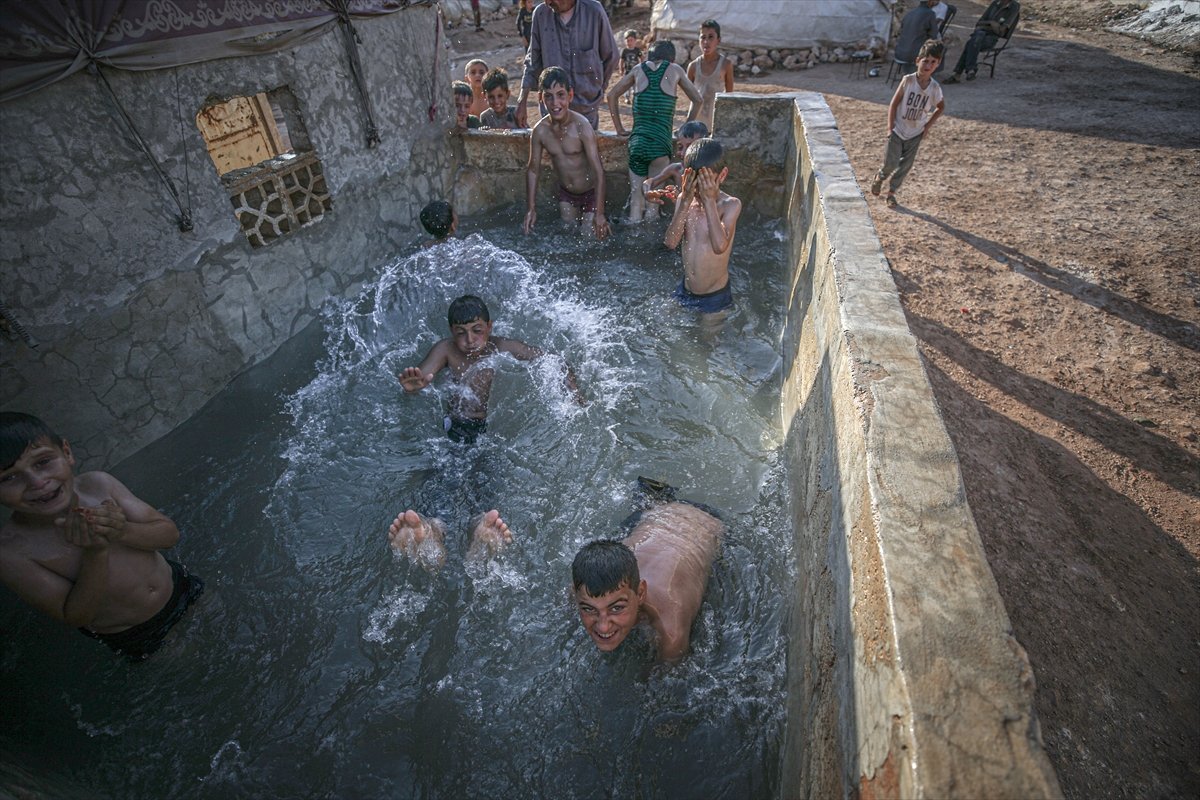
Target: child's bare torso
<point x="139" y="581"/>
<point x="704" y="270"/>
<point x="566" y="149"/>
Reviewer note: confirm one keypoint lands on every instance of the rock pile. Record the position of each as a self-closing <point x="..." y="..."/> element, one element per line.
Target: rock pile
<point x="758" y="60"/>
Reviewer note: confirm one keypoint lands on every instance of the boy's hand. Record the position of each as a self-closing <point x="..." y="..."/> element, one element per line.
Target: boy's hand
<point x="77" y="529"/>
<point x="530" y="218"/>
<point x="658" y="196"/>
<point x="710" y="187"/>
<point x="413" y="380"/>
<point x="108" y="521"/>
<point x="600" y="226"/>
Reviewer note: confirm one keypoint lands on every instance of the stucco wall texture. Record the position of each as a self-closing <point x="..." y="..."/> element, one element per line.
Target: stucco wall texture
<point x="138" y="324"/>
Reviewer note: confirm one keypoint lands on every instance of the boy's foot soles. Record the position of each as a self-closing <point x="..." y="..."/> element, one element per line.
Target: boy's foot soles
<point x="491" y="535"/>
<point x="971" y="75"/>
<point x="877" y="185"/>
<point x="891" y="201"/>
<point x="952" y="79"/>
<point x="416" y="537"/>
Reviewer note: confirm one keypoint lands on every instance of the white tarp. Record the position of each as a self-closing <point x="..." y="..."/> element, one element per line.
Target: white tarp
<point x="775" y="23"/>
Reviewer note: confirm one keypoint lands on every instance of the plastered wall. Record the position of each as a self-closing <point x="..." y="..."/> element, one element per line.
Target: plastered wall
<point x="139" y="324"/>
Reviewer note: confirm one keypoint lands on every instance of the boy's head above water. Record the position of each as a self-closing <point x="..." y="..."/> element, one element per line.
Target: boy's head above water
<point x="36" y="466"/>
<point x="439" y="219"/>
<point x="706" y="154"/>
<point x="609" y="591"/>
<point x="689" y="132"/>
<point x="470" y="324"/>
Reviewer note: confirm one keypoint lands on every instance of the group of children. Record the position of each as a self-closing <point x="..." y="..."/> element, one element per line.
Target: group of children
<point x="83" y="549"/>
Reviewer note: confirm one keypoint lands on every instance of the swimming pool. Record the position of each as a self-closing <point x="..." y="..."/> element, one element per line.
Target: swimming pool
<point x="321" y="665"/>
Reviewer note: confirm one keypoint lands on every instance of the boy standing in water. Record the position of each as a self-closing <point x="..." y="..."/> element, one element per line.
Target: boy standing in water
<point x="921" y="97"/>
<point x="656" y="575"/>
<point x="711" y="72"/>
<point x="656" y="83"/>
<point x="705" y="220"/>
<point x="571" y="142"/>
<point x="83" y="549"/>
<point x="465" y="354"/>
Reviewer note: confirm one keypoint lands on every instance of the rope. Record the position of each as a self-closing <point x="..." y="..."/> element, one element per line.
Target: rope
<point x="8" y="317"/>
<point x="437" y="50"/>
<point x="185" y="220"/>
<point x="351" y="39"/>
<point x="185" y="217"/>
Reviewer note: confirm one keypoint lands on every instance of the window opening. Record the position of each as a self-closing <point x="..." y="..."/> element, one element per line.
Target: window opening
<point x="262" y="153"/>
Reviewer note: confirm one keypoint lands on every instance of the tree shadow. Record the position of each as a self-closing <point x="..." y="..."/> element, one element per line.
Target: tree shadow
<point x="1099" y="595"/>
<point x="1176" y="330"/>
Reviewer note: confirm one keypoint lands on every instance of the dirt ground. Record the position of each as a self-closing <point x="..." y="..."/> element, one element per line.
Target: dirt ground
<point x="1046" y="254"/>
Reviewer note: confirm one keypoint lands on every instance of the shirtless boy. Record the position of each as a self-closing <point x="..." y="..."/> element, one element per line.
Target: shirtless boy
<point x="705" y="220"/>
<point x="569" y="139"/>
<point x="83" y="549"/>
<point x="465" y="353"/>
<point x="439" y="220"/>
<point x="656" y="575"/>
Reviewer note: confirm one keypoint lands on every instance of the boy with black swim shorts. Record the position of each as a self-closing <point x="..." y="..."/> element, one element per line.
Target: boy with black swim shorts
<point x="466" y="353"/>
<point x="83" y="549"/>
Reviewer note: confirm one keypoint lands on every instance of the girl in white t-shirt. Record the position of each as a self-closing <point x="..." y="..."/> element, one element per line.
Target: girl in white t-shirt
<point x="914" y="108"/>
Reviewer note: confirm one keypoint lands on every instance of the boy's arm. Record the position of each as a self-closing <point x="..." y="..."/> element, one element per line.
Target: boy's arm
<point x="722" y="217"/>
<point x="531" y="173"/>
<point x="692" y="92"/>
<point x="937" y="112"/>
<point x="728" y="75"/>
<point x="691" y="70"/>
<point x="50" y="593"/>
<point x="614" y="95"/>
<point x="675" y="230"/>
<point x="127" y="519"/>
<point x="527" y="352"/>
<point x="894" y="106"/>
<point x="599" y="221"/>
<point x="414" y="379"/>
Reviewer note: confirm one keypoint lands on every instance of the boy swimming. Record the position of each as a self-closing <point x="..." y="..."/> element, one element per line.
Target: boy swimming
<point x="465" y="353"/>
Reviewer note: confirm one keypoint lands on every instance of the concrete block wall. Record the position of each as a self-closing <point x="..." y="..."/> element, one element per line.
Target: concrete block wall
<point x="904" y="677"/>
<point x="139" y="324"/>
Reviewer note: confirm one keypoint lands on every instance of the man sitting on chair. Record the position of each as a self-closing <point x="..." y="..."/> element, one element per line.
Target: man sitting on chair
<point x="996" y="23"/>
<point x="917" y="26"/>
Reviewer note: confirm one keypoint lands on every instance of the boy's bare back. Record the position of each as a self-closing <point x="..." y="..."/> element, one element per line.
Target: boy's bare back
<point x="675" y="544"/>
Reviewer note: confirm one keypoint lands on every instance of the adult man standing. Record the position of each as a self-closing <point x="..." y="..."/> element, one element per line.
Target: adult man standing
<point x="995" y="24"/>
<point x="574" y="35"/>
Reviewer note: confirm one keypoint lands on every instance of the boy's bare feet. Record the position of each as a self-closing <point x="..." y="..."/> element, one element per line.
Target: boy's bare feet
<point x="418" y="538"/>
<point x="491" y="535"/>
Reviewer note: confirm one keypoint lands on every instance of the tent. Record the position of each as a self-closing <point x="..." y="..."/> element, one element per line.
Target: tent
<point x="775" y="23"/>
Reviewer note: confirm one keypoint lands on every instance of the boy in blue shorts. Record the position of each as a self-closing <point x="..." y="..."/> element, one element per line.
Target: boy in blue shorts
<point x="705" y="220"/>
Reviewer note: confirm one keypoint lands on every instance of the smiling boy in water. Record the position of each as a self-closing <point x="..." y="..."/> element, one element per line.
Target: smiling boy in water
<point x="657" y="575"/>
<point x="465" y="353"/>
<point x="83" y="549"/>
<point x="705" y="220"/>
<point x="571" y="142"/>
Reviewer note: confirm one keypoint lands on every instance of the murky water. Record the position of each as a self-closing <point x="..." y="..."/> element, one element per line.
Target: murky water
<point x="318" y="664"/>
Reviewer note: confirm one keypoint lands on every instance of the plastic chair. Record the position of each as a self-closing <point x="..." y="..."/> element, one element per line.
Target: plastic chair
<point x="988" y="57"/>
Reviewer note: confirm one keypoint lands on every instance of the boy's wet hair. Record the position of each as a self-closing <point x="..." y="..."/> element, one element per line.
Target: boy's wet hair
<point x="692" y="130"/>
<point x="554" y="76"/>
<point x="932" y="49"/>
<point x="462" y="88"/>
<point x="706" y="152"/>
<point x="18" y="432"/>
<point x="603" y="566"/>
<point x="662" y="50"/>
<point x="628" y="33"/>
<point x="496" y="78"/>
<point x="437" y="216"/>
<point x="467" y="309"/>
<point x="713" y="25"/>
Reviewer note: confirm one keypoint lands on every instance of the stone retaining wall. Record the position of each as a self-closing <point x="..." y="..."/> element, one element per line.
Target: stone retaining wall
<point x="138" y="324"/>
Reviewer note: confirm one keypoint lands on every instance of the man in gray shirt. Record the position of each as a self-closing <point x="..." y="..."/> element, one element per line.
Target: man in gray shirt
<point x="574" y="35"/>
<point x="918" y="25"/>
